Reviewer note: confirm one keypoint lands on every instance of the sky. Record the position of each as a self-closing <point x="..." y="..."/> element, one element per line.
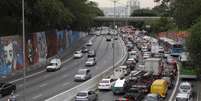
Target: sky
<point x="109" y="3"/>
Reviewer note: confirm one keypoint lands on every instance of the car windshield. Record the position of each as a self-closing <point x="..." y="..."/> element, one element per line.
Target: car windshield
<point x="181" y="99"/>
<point x="53" y="64"/>
<point x="185" y="87"/>
<point x="77" y="52"/>
<point x="81" y="72"/>
<point x="105" y="81"/>
<point x="151" y="98"/>
<point x="90" y="59"/>
<point x="82" y="94"/>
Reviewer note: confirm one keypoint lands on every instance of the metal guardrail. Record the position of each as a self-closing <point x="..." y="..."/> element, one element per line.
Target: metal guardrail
<point x="69" y="94"/>
<point x="176" y="85"/>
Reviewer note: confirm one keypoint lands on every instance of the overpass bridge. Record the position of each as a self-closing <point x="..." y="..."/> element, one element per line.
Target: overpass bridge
<point x="128" y="19"/>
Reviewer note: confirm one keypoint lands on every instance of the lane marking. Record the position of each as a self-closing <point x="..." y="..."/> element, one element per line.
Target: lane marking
<point x="66" y="83"/>
<point x="64" y="76"/>
<point x="37" y="96"/>
<point x="198" y="92"/>
<point x="20" y="85"/>
<point x="42" y="85"/>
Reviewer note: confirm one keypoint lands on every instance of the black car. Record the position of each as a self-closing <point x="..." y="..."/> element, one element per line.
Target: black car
<point x="91" y="53"/>
<point x="7" y="88"/>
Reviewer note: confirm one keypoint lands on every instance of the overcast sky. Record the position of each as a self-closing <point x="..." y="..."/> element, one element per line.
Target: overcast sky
<point x="109" y="3"/>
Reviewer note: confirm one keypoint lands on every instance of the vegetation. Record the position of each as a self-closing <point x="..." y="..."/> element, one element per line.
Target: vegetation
<point x="46" y="15"/>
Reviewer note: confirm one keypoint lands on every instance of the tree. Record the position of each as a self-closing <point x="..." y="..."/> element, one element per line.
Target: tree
<point x="186" y="12"/>
<point x="194" y="44"/>
<point x="143" y="12"/>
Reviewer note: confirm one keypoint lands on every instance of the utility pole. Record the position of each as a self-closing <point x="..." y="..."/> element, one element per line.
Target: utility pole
<point x="24" y="64"/>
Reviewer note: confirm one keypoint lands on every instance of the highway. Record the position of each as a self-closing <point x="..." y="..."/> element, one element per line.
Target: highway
<point x="47" y="84"/>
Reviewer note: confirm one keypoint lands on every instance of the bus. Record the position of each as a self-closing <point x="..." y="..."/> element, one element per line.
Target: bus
<point x="175" y="48"/>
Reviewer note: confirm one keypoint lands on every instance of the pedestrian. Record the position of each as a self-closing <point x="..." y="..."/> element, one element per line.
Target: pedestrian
<point x="12" y="97"/>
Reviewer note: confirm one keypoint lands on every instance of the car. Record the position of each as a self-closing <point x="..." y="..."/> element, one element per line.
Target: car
<point x="185" y="87"/>
<point x="151" y="97"/>
<point x="78" y="54"/>
<point x="82" y="75"/>
<point x="7" y="89"/>
<point x="171" y="60"/>
<point x="86" y="96"/>
<point x="91" y="53"/>
<point x="184" y="97"/>
<point x="54" y="64"/>
<point x="105" y="84"/>
<point x="146" y="55"/>
<point x="108" y="39"/>
<point x="90" y="62"/>
<point x="84" y="50"/>
<point x="89" y="43"/>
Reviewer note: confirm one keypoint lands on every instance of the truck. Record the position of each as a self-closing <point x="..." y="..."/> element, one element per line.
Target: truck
<point x="153" y="65"/>
<point x="136" y="89"/>
<point x="187" y="70"/>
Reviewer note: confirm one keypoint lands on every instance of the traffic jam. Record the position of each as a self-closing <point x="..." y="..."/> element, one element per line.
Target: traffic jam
<point x="149" y="73"/>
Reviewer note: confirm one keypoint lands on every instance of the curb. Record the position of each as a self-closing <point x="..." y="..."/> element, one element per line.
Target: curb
<point x="176" y="85"/>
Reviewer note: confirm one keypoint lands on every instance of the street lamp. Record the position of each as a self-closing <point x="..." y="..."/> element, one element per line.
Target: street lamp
<point x="24" y="64"/>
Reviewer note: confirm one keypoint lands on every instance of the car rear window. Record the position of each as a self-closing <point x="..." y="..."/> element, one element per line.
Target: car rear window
<point x="82" y="94"/>
<point x="105" y="81"/>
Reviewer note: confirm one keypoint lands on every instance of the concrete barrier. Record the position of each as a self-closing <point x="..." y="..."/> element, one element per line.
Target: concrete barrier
<point x="69" y="94"/>
<point x="176" y="85"/>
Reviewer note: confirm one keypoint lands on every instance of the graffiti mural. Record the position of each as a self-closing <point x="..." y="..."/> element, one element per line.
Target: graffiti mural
<point x="51" y="37"/>
<point x="31" y="52"/>
<point x="41" y="46"/>
<point x="61" y="39"/>
<point x="11" y="57"/>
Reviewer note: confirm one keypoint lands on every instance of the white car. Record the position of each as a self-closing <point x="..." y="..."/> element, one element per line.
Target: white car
<point x="89" y="43"/>
<point x="86" y="96"/>
<point x="145" y="55"/>
<point x="105" y="84"/>
<point x="78" y="54"/>
<point x="54" y="64"/>
<point x="185" y="87"/>
<point x="184" y="97"/>
<point x="82" y="75"/>
<point x="90" y="62"/>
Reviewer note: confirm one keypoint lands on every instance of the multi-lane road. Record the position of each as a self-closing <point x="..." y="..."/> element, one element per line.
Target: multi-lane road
<point x="47" y="84"/>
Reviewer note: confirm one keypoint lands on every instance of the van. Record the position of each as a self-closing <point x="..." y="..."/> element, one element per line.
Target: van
<point x="159" y="87"/>
<point x="119" y="87"/>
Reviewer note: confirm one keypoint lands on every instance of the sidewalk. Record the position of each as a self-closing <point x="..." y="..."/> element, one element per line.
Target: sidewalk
<point x="41" y="66"/>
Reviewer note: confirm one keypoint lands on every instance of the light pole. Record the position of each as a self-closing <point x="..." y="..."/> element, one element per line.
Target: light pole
<point x="24" y="64"/>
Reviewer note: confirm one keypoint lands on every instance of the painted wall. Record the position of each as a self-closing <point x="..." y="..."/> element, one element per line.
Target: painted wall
<point x="39" y="47"/>
<point x="11" y="57"/>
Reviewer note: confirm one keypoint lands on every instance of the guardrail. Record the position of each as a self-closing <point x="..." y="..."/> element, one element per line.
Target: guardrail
<point x="69" y="94"/>
<point x="176" y="85"/>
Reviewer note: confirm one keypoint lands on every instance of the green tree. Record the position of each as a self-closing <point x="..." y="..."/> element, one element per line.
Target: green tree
<point x="186" y="12"/>
<point x="143" y="12"/>
<point x="194" y="44"/>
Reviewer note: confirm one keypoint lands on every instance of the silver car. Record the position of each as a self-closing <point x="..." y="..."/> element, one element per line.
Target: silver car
<point x="90" y="62"/>
<point x="86" y="96"/>
<point x="82" y="75"/>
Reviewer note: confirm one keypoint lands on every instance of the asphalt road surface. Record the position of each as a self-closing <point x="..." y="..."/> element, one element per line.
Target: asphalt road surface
<point x="47" y="84"/>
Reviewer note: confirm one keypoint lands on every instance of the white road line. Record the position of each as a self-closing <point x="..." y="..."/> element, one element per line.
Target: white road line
<point x="66" y="83"/>
<point x="64" y="76"/>
<point x="17" y="95"/>
<point x="198" y="92"/>
<point x="37" y="96"/>
<point x="42" y="85"/>
<point x="20" y="85"/>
